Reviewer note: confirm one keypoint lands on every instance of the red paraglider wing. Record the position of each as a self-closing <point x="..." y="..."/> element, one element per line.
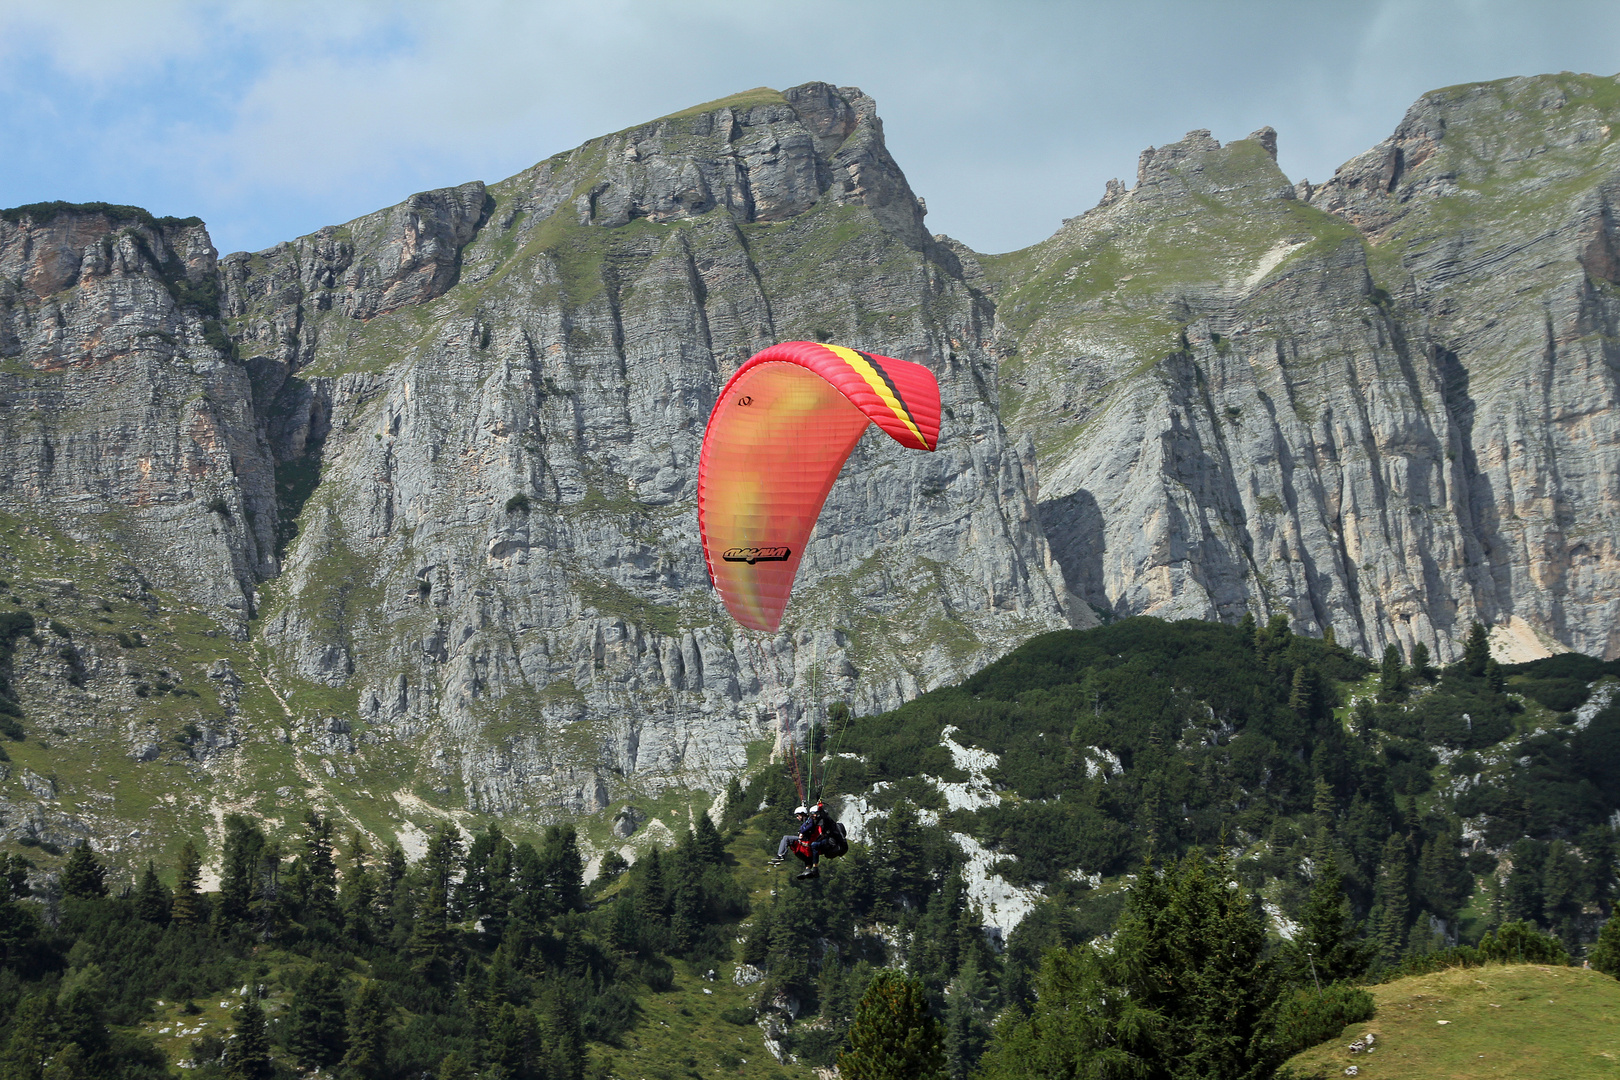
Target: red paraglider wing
<point x="777" y="438"/>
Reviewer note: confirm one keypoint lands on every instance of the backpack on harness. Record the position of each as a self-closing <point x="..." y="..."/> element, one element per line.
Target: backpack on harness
<point x="836" y="835"/>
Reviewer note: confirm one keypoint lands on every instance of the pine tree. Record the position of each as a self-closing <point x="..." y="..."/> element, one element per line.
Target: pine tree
<point x="562" y="1038"/>
<point x="1421" y="668"/>
<point x="512" y="1044"/>
<point x="1476" y="651"/>
<point x="1328" y="943"/>
<point x="432" y="942"/>
<point x="244" y="844"/>
<point x="16" y="870"/>
<point x="84" y="878"/>
<point x="1523" y="898"/>
<point x="893" y="1036"/>
<point x="967" y="1018"/>
<point x="1495" y="681"/>
<point x="652" y="899"/>
<point x="187" y="905"/>
<point x="736" y="813"/>
<point x="563" y="868"/>
<point x="1184" y="989"/>
<point x="358" y="896"/>
<point x="1299" y="695"/>
<point x="33" y="1039"/>
<point x="711" y="849"/>
<point x="1248" y="630"/>
<point x="1443" y="880"/>
<point x="248" y="1057"/>
<point x="267" y="908"/>
<point x="793" y="929"/>
<point x="1605" y="955"/>
<point x="151" y="898"/>
<point x="393" y="897"/>
<point x="320" y="869"/>
<point x="316" y="1027"/>
<point x="431" y="939"/>
<point x="367" y="1055"/>
<point x="454" y="1067"/>
<point x="1392" y="901"/>
<point x="1391" y="681"/>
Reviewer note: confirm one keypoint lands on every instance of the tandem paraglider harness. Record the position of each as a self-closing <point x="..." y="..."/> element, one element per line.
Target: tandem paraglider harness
<point x="820" y="837"/>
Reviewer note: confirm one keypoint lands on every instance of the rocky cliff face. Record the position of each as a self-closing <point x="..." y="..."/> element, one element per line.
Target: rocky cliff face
<point x="442" y="474"/>
<point x="1385" y="405"/>
<point x="398" y="517"/>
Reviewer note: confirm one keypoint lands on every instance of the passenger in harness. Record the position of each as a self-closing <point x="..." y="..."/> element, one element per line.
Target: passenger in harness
<point x="818" y="835"/>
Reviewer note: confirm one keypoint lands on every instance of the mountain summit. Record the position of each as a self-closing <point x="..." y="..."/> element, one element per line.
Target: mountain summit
<point x="398" y="517"/>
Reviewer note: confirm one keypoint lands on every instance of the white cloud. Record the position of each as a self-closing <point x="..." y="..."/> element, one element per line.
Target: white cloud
<point x="272" y="118"/>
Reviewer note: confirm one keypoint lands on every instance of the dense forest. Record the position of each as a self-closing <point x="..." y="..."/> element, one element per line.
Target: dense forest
<point x="1169" y="786"/>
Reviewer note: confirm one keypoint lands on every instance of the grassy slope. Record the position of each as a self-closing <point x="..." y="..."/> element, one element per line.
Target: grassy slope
<point x="1520" y="1020"/>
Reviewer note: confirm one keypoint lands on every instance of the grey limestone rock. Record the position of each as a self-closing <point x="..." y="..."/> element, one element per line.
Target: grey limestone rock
<point x="432" y="473"/>
<point x="447" y="457"/>
<point x="1389" y="419"/>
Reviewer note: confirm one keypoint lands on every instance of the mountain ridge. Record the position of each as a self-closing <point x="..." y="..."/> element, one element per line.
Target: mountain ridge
<point x="426" y="476"/>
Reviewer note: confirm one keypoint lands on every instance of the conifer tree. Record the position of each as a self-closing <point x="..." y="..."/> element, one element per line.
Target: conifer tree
<point x="1183" y="989"/>
<point x="320" y="869"/>
<point x="1421" y="668"/>
<point x="19" y="927"/>
<point x="1476" y="651"/>
<point x="84" y="878"/>
<point x="358" y="896"/>
<point x="562" y="1038"/>
<point x="1443" y="881"/>
<point x="793" y="927"/>
<point x="512" y="1044"/>
<point x="16" y="877"/>
<point x="1299" y="695"/>
<point x="1391" y="681"/>
<point x="711" y="849"/>
<point x="316" y="1027"/>
<point x="248" y="1056"/>
<point x="33" y="1039"/>
<point x="967" y="1018"/>
<point x="455" y="1067"/>
<point x="1392" y="901"/>
<point x="431" y="940"/>
<point x="651" y="898"/>
<point x="1605" y="955"/>
<point x="187" y="905"/>
<point x="244" y="844"/>
<point x="893" y="1036"/>
<point x="736" y="813"/>
<point x="367" y="1055"/>
<point x="393" y="897"/>
<point x="563" y="868"/>
<point x="151" y="898"/>
<point x="1327" y="942"/>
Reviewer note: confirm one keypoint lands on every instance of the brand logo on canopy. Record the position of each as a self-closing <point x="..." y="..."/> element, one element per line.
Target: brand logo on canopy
<point x="757" y="554"/>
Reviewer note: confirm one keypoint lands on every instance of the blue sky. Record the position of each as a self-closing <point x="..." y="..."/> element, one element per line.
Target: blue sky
<point x="271" y="119"/>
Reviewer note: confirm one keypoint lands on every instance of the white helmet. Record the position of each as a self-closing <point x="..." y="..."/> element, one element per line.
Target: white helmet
<point x="801" y="809"/>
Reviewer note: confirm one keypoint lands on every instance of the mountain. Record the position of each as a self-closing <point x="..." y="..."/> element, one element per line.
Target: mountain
<point x="435" y="488"/>
<point x="397" y="518"/>
<point x="1385" y="404"/>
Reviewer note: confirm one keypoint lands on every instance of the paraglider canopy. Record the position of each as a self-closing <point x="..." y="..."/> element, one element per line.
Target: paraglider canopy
<point x="777" y="438"/>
